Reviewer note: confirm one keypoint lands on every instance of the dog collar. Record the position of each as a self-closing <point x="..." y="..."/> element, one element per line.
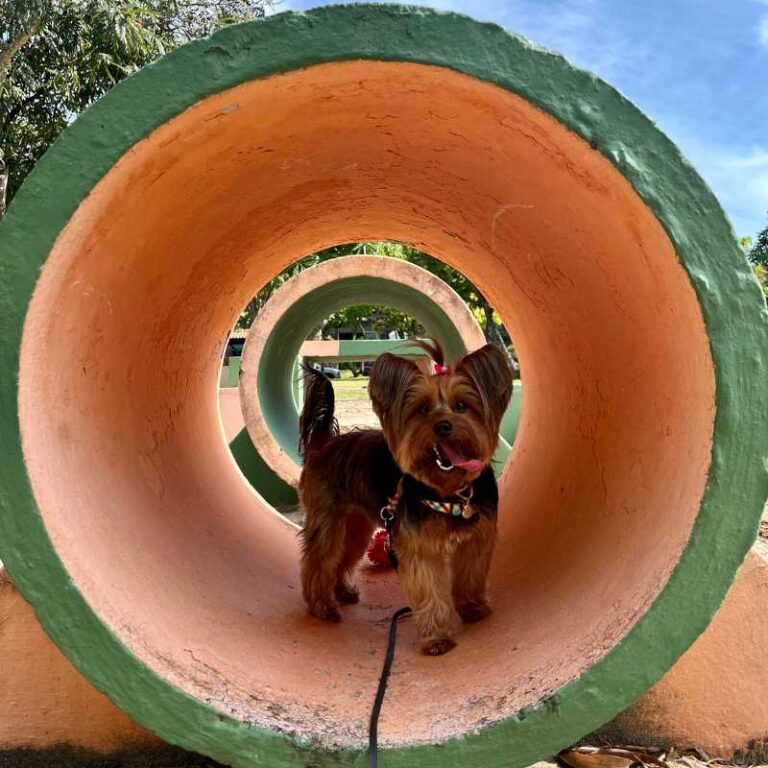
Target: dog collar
<point x="461" y="508"/>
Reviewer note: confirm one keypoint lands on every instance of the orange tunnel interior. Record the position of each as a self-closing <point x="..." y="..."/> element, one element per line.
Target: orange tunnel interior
<point x="132" y="473"/>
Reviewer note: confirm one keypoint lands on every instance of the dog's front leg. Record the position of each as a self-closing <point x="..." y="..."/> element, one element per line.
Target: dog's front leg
<point x="470" y="570"/>
<point x="425" y="576"/>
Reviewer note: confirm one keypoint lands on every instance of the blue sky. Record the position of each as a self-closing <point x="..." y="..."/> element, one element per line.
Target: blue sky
<point x="698" y="68"/>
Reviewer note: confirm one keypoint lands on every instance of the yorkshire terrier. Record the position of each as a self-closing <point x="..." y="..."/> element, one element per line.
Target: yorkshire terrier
<point x="429" y="467"/>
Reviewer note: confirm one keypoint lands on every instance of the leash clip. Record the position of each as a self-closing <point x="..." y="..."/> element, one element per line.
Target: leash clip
<point x="387" y="514"/>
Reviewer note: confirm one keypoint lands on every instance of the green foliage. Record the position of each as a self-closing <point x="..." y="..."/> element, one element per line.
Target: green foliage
<point x="761" y="273"/>
<point x="758" y="253"/>
<point x="387" y="317"/>
<point x="59" y="56"/>
<point x="379" y="319"/>
<point x="179" y="21"/>
<point x="260" y="299"/>
<point x="80" y="51"/>
<point x="19" y="19"/>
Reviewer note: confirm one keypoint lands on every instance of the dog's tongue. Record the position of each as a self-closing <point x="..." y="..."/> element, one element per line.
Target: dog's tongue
<point x="458" y="459"/>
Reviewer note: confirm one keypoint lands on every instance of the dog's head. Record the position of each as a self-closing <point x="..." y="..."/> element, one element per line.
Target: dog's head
<point x="442" y="428"/>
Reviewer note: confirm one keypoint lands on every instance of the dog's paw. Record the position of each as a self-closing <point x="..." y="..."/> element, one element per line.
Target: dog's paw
<point x="437" y="647"/>
<point x="347" y="594"/>
<point x="472" y="612"/>
<point x="326" y="612"/>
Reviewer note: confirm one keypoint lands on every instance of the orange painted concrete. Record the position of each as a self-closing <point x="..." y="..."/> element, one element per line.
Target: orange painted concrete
<point x="317" y="348"/>
<point x="44" y="702"/>
<point x="715" y="698"/>
<point x="232" y="421"/>
<point x="134" y="479"/>
<point x="712" y="699"/>
<point x="330" y="349"/>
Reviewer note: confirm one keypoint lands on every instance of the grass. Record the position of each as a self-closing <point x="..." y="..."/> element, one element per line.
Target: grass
<point x="349" y="388"/>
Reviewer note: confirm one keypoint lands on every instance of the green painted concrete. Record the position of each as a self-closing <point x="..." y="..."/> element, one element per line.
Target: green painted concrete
<point x="511" y="420"/>
<point x="234" y="371"/>
<point x="259" y="474"/>
<point x="276" y="364"/>
<point x="354" y="350"/>
<point x="298" y="385"/>
<point x="732" y="306"/>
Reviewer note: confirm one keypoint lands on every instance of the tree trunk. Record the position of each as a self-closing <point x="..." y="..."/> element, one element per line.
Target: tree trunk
<point x="7" y="50"/>
<point x="492" y="335"/>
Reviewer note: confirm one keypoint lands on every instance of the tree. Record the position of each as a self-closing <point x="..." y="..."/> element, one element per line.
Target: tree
<point x="761" y="273"/>
<point x="179" y="21"/>
<point x="378" y="318"/>
<point x="758" y="253"/>
<point x="19" y="22"/>
<point x="487" y="318"/>
<point x="254" y="306"/>
<point x="62" y="57"/>
<point x="489" y="321"/>
<point x="59" y="56"/>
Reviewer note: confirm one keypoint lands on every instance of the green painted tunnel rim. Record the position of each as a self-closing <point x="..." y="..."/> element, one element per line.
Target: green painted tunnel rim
<point x="300" y="304"/>
<point x="733" y="310"/>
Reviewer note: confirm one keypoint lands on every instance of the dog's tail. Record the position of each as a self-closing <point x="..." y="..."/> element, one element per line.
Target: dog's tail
<point x="317" y="423"/>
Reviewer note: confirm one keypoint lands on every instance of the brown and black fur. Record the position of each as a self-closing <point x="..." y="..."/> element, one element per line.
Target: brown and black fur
<point x="347" y="479"/>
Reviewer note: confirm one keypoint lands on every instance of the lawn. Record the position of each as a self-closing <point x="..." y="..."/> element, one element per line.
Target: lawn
<point x="350" y="388"/>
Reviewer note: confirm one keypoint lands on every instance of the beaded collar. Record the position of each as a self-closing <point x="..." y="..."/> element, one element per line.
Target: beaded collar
<point x="461" y="508"/>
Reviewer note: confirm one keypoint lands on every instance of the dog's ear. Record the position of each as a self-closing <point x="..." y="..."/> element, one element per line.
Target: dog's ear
<point x="490" y="371"/>
<point x="392" y="378"/>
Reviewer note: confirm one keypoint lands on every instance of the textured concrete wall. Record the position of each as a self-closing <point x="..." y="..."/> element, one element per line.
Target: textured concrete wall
<point x="434" y="129"/>
<point x="44" y="701"/>
<point x="715" y="698"/>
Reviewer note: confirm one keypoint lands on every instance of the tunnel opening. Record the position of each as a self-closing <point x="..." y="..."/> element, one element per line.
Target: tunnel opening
<point x="129" y="482"/>
<point x="316" y="301"/>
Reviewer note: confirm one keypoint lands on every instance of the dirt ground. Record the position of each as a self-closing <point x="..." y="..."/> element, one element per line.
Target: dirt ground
<point x="355" y="413"/>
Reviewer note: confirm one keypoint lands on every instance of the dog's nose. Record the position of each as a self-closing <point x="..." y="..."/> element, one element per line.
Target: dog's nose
<point x="443" y="428"/>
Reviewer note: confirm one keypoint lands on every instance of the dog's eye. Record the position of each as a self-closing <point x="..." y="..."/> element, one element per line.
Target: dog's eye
<point x="424" y="409"/>
<point x="460" y="407"/>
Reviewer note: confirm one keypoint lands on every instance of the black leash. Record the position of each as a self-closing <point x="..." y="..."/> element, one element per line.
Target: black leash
<point x="373" y="728"/>
<point x="388" y="516"/>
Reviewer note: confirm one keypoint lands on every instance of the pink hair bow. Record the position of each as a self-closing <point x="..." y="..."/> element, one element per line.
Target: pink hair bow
<point x="442" y="370"/>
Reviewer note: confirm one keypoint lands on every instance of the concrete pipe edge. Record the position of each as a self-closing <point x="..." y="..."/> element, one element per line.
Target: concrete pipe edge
<point x="731" y="305"/>
<point x="275" y="338"/>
